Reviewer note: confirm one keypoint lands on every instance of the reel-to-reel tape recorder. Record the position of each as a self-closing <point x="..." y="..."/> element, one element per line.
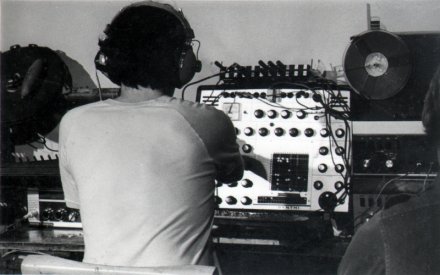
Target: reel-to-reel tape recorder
<point x="390" y="73"/>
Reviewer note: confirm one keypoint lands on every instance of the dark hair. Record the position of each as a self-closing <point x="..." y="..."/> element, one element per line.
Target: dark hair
<point x="431" y="109"/>
<point x="143" y="44"/>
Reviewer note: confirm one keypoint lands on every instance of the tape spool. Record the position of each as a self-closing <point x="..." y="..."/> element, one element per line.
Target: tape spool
<point x="377" y="64"/>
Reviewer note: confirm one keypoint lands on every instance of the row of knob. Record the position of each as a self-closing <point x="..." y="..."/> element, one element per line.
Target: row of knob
<point x="293" y="132"/>
<point x="60" y="214"/>
<point x="246" y="183"/>
<point x="388" y="163"/>
<point x="339" y="168"/>
<point x="299" y="94"/>
<point x="272" y="114"/>
<point x="323" y="150"/>
<point x="318" y="185"/>
<point x="231" y="200"/>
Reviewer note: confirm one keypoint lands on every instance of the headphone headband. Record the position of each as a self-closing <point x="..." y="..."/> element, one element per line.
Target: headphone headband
<point x="189" y="33"/>
<point x="186" y="63"/>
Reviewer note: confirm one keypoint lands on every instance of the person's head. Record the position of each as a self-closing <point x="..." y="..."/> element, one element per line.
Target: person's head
<point x="148" y="44"/>
<point x="431" y="110"/>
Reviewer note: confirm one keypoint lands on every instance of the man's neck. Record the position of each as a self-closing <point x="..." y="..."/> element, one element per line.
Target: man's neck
<point x="133" y="95"/>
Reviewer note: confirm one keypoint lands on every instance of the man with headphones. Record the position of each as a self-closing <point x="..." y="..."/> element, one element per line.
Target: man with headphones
<point x="142" y="167"/>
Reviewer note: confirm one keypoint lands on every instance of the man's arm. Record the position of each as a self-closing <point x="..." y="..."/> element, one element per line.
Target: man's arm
<point x="67" y="181"/>
<point x="227" y="155"/>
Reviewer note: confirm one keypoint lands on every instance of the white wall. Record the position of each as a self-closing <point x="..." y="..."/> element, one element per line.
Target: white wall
<point x="294" y="32"/>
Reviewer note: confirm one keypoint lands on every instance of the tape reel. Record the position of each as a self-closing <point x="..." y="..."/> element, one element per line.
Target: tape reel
<point x="377" y="64"/>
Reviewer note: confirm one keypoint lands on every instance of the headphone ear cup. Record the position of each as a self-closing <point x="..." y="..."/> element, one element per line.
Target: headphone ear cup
<point x="101" y="62"/>
<point x="104" y="65"/>
<point x="188" y="65"/>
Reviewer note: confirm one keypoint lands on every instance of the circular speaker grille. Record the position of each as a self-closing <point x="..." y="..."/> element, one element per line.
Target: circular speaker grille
<point x="32" y="83"/>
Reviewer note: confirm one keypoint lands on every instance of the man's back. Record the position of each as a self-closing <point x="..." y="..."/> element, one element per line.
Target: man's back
<point x="403" y="239"/>
<point x="144" y="175"/>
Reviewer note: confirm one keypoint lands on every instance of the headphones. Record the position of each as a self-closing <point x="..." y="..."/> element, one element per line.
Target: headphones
<point x="187" y="63"/>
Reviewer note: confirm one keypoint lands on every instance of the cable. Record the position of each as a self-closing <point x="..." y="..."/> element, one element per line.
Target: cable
<point x="387" y="183"/>
<point x="14" y="225"/>
<point x="198" y="47"/>
<point x="99" y="85"/>
<point x="43" y="142"/>
<point x="196" y="82"/>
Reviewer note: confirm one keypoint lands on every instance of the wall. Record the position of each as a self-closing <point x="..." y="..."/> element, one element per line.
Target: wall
<point x="294" y="32"/>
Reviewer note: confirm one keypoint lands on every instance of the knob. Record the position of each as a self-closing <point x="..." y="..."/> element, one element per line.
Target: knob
<point x="225" y="94"/>
<point x="232" y="184"/>
<point x="323" y="150"/>
<point x="246" y="183"/>
<point x="230" y="200"/>
<point x="60" y="214"/>
<point x="279" y="131"/>
<point x="272" y="114"/>
<point x="318" y="185"/>
<point x="263" y="132"/>
<point x="73" y="216"/>
<point x="340" y="133"/>
<point x="259" y="113"/>
<point x="301" y="114"/>
<point x="246" y="148"/>
<point x="245" y="200"/>
<point x="366" y="163"/>
<point x="248" y="131"/>
<point x="217" y="200"/>
<point x="324" y="132"/>
<point x="293" y="132"/>
<point x="389" y="163"/>
<point x="285" y="114"/>
<point x="339" y="150"/>
<point x="339" y="185"/>
<point x="317" y="97"/>
<point x="309" y="132"/>
<point x="328" y="201"/>
<point x="47" y="214"/>
<point x="339" y="168"/>
<point x="322" y="168"/>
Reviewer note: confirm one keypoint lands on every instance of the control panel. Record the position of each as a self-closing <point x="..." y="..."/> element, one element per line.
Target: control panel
<point x="393" y="155"/>
<point x="52" y="209"/>
<point x="296" y="146"/>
